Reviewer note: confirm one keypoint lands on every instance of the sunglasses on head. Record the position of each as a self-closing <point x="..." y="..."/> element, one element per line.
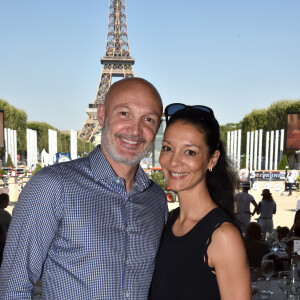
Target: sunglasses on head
<point x="173" y="108"/>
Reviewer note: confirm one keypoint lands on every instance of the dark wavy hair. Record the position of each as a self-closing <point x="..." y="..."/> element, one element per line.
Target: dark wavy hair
<point x="221" y="182"/>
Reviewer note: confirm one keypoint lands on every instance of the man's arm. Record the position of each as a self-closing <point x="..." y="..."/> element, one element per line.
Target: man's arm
<point x="32" y="229"/>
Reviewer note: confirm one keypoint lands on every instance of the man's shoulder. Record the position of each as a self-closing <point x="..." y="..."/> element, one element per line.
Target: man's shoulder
<point x="156" y="187"/>
<point x="54" y="173"/>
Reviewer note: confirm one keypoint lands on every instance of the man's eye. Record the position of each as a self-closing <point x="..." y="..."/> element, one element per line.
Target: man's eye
<point x="166" y="148"/>
<point x="124" y="113"/>
<point x="149" y="120"/>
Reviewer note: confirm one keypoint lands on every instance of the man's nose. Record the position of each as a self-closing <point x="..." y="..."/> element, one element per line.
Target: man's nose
<point x="136" y="127"/>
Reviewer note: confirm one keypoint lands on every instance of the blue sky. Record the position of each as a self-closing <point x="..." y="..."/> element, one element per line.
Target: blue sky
<point x="234" y="56"/>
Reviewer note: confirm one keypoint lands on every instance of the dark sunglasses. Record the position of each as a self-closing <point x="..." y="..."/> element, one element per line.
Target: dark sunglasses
<point x="173" y="108"/>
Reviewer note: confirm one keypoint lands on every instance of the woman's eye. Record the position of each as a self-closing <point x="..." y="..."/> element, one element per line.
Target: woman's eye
<point x="190" y="153"/>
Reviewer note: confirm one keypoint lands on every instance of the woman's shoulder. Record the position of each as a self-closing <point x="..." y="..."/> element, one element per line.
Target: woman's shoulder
<point x="227" y="234"/>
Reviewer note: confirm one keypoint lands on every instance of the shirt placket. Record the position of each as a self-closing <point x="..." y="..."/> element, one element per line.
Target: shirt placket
<point x="127" y="288"/>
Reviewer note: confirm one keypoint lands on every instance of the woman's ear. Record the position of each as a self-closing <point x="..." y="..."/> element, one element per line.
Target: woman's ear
<point x="214" y="159"/>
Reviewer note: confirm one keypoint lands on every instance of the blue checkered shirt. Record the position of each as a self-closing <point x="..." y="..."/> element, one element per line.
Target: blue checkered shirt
<point x="76" y="228"/>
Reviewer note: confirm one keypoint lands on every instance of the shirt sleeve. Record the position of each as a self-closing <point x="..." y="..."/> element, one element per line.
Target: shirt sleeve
<point x="35" y="219"/>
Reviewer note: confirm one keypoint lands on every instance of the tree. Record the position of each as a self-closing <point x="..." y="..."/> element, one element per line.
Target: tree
<point x="284" y="162"/>
<point x="15" y="119"/>
<point x="9" y="162"/>
<point x="228" y="127"/>
<point x="243" y="163"/>
<point x="158" y="177"/>
<point x="37" y="168"/>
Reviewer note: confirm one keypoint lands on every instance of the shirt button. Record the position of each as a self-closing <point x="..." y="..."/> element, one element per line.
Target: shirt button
<point x="127" y="229"/>
<point x="127" y="261"/>
<point x="127" y="294"/>
<point x="117" y="181"/>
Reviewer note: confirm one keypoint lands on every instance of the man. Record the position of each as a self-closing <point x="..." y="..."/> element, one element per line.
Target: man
<point x="290" y="181"/>
<point x="5" y="216"/>
<point x="256" y="248"/>
<point x="243" y="201"/>
<point x="91" y="228"/>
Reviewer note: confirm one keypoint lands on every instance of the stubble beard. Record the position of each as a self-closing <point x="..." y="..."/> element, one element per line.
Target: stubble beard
<point x="110" y="149"/>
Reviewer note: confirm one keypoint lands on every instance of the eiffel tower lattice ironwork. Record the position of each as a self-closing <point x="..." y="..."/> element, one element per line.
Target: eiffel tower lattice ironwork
<point x="117" y="62"/>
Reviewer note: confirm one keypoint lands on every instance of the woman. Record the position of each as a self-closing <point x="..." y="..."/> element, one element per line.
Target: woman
<point x="296" y="224"/>
<point x="202" y="254"/>
<point x="266" y="208"/>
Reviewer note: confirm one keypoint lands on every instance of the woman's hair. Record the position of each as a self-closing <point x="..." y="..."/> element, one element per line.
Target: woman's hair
<point x="296" y="215"/>
<point x="221" y="181"/>
<point x="267" y="197"/>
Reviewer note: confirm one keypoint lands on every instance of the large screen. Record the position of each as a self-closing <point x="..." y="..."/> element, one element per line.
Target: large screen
<point x="1" y="129"/>
<point x="293" y="131"/>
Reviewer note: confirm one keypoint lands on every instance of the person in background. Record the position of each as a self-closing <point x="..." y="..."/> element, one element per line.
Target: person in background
<point x="296" y="223"/>
<point x="290" y="181"/>
<point x="200" y="244"/>
<point x="282" y="233"/>
<point x="289" y="249"/>
<point x="256" y="247"/>
<point x="252" y="178"/>
<point x="267" y="208"/>
<point x="243" y="201"/>
<point x="5" y="216"/>
<point x="90" y="228"/>
<point x="2" y="243"/>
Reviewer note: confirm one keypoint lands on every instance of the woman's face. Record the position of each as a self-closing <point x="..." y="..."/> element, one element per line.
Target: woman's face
<point x="184" y="157"/>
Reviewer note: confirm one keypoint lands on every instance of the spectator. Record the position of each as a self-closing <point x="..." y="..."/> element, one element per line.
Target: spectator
<point x="267" y="207"/>
<point x="296" y="223"/>
<point x="5" y="216"/>
<point x="256" y="248"/>
<point x="290" y="247"/>
<point x="252" y="178"/>
<point x="243" y="201"/>
<point x="282" y="233"/>
<point x="2" y="243"/>
<point x="290" y="181"/>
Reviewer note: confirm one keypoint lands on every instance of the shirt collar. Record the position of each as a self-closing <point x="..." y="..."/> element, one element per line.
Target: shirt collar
<point x="102" y="169"/>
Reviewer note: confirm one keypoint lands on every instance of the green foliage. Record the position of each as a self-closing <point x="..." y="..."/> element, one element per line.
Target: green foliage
<point x="37" y="168"/>
<point x="158" y="177"/>
<point x="83" y="148"/>
<point x="42" y="134"/>
<point x="15" y="119"/>
<point x="228" y="127"/>
<point x="284" y="162"/>
<point x="243" y="163"/>
<point x="63" y="142"/>
<point x="272" y="118"/>
<point x="9" y="162"/>
<point x="3" y="172"/>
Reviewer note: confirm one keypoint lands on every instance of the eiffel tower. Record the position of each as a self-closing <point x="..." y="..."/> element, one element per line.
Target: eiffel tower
<point x="117" y="62"/>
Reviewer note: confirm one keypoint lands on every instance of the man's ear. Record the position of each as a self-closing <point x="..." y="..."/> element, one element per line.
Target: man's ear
<point x="101" y="114"/>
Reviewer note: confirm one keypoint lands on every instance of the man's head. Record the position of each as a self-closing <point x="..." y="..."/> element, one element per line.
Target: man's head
<point x="254" y="231"/>
<point x="282" y="232"/>
<point x="130" y="118"/>
<point x="4" y="200"/>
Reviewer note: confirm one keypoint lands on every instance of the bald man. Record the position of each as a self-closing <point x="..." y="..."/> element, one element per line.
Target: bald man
<point x="91" y="228"/>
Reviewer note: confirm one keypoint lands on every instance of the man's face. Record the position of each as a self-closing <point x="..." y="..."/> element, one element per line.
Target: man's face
<point x="130" y="119"/>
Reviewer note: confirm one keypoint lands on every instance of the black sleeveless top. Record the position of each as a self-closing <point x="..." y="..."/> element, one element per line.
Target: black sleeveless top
<point x="181" y="270"/>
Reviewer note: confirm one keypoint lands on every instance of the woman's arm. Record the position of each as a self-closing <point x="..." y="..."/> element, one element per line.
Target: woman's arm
<point x="227" y="255"/>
